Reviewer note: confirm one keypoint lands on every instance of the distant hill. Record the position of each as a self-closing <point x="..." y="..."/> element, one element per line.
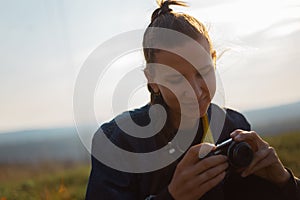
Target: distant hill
<point x="275" y="120"/>
<point x="60" y="144"/>
<point x="63" y="144"/>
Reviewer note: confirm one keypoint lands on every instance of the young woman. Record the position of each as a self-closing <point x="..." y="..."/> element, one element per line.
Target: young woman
<point x="180" y="70"/>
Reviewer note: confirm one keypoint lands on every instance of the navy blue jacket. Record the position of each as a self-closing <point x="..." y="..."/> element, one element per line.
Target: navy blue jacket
<point x="107" y="183"/>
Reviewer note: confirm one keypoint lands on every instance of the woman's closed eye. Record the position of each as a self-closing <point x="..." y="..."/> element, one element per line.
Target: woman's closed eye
<point x="174" y="79"/>
<point x="205" y="71"/>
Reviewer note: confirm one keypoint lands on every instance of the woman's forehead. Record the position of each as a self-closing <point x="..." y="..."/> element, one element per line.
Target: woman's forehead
<point x="185" y="56"/>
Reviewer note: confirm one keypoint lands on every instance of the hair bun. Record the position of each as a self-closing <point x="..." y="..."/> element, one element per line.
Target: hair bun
<point x="164" y="7"/>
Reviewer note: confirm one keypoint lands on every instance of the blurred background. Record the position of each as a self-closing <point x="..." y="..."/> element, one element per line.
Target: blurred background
<point x="43" y="45"/>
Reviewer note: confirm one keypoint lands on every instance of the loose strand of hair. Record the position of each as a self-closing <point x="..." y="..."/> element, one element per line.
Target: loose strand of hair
<point x="171" y="2"/>
<point x="166" y="3"/>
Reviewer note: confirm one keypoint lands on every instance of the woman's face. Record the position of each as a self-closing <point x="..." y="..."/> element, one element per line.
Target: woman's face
<point x="177" y="74"/>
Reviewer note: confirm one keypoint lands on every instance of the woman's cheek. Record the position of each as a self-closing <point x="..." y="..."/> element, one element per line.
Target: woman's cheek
<point x="210" y="81"/>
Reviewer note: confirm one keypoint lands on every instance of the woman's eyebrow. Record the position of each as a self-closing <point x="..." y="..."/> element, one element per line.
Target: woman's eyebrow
<point x="174" y="75"/>
<point x="203" y="67"/>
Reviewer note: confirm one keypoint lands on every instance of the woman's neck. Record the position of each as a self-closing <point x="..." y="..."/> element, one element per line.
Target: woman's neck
<point x="185" y="123"/>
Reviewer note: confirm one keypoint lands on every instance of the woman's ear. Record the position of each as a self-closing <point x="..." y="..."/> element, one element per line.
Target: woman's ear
<point x="153" y="86"/>
<point x="214" y="57"/>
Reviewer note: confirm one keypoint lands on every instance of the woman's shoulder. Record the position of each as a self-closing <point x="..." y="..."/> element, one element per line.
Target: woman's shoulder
<point x="120" y="130"/>
<point x="139" y="116"/>
<point x="232" y="116"/>
<point x="236" y="116"/>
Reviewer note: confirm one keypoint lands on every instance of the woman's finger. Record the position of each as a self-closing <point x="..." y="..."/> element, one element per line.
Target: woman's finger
<point x="210" y="174"/>
<point x="191" y="158"/>
<point x="270" y="159"/>
<point x="259" y="157"/>
<point x="236" y="132"/>
<point x="208" y="185"/>
<point x="208" y="163"/>
<point x="252" y="138"/>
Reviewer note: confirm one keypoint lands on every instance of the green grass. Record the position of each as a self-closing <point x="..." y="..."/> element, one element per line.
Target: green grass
<point x="287" y="147"/>
<point x="54" y="182"/>
<point x="68" y="181"/>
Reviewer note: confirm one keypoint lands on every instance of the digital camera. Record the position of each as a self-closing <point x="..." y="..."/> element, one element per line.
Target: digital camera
<point x="240" y="154"/>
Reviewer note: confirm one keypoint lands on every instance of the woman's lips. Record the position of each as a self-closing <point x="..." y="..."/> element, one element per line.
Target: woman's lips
<point x="195" y="104"/>
<point x="195" y="109"/>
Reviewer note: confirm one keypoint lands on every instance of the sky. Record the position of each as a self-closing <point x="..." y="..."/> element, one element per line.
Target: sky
<point x="43" y="45"/>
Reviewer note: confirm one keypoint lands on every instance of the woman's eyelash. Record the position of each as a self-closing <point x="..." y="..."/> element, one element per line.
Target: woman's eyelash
<point x="175" y="80"/>
<point x="204" y="72"/>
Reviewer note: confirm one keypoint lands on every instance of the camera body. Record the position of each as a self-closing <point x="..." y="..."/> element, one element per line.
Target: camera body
<point x="240" y="154"/>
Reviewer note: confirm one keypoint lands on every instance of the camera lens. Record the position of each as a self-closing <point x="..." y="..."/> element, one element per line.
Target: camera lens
<point x="240" y="154"/>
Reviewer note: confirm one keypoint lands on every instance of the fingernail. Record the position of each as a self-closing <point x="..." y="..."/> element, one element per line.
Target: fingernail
<point x="244" y="174"/>
<point x="237" y="137"/>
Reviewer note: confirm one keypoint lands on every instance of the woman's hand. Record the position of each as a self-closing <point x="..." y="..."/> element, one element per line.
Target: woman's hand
<point x="266" y="163"/>
<point x="194" y="177"/>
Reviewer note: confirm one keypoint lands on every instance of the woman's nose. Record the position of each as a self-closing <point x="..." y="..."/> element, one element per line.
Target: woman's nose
<point x="197" y="86"/>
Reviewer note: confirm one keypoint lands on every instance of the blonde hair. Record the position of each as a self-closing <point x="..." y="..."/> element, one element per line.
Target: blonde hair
<point x="164" y="17"/>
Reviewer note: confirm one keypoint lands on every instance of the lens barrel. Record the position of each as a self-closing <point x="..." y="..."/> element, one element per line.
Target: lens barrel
<point x="240" y="154"/>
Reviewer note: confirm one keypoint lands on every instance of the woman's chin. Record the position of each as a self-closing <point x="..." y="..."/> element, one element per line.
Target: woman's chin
<point x="194" y="112"/>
